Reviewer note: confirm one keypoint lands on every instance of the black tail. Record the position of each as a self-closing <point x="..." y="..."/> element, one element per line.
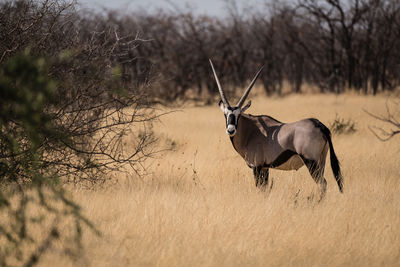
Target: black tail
<point x="334" y="160"/>
<point x="335" y="165"/>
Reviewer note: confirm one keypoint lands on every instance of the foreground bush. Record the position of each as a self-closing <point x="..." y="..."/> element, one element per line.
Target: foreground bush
<point x="68" y="114"/>
<point x="94" y="104"/>
<point x="31" y="197"/>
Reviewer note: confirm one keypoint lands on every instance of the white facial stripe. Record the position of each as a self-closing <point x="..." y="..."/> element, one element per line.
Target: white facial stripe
<point x="236" y="112"/>
<point x="230" y="128"/>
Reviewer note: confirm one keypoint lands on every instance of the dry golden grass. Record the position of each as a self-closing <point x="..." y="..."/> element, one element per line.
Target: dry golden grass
<point x="200" y="207"/>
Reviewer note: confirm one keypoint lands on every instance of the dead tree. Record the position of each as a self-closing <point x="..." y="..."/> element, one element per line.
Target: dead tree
<point x="391" y="120"/>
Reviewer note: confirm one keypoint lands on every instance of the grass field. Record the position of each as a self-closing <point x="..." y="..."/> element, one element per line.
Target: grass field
<point x="199" y="206"/>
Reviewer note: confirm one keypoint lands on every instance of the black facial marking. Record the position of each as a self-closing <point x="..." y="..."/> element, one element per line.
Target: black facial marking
<point x="231" y="119"/>
<point x="281" y="159"/>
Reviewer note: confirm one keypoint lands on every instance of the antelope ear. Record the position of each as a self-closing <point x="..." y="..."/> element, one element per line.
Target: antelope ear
<point x="221" y="105"/>
<point x="247" y="106"/>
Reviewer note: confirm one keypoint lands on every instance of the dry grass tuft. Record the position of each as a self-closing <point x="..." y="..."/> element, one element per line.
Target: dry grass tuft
<point x="200" y="206"/>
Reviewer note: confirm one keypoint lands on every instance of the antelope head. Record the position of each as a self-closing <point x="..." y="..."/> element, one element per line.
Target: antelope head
<point x="232" y="114"/>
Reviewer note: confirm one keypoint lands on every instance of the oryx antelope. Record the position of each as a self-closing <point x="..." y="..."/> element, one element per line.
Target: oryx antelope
<point x="264" y="142"/>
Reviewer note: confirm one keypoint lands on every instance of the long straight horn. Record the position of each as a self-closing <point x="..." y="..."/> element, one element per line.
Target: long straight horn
<point x="246" y="93"/>
<point x="221" y="92"/>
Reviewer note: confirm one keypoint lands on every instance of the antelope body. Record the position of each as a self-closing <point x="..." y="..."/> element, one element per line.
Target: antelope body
<point x="264" y="142"/>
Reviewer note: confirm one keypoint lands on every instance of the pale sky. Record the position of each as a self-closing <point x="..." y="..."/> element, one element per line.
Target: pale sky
<point x="201" y="7"/>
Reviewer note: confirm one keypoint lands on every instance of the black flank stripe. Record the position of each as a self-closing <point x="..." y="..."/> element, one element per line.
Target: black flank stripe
<point x="281" y="159"/>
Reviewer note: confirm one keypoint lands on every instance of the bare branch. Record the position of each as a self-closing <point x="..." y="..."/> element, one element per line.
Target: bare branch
<point x="390" y="119"/>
